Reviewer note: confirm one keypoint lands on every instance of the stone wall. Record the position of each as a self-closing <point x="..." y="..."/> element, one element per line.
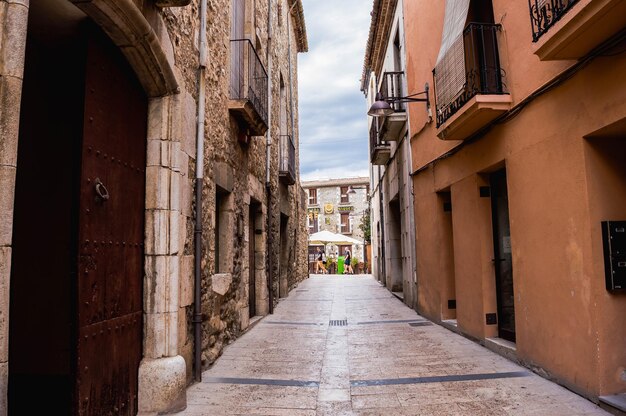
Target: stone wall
<point x="161" y="45"/>
<point x="238" y="168"/>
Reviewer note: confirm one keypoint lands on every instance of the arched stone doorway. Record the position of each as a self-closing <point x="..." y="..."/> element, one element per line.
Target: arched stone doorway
<point x="162" y="371"/>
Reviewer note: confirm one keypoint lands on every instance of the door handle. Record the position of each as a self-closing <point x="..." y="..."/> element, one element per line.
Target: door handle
<point x="497" y="260"/>
<point x="101" y="190"/>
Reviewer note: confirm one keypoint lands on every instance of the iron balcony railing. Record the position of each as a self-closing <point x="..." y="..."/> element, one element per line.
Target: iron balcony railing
<point x="476" y="70"/>
<point x="287" y="168"/>
<point x="248" y="76"/>
<point x="545" y="13"/>
<point x="376" y="144"/>
<point x="392" y="87"/>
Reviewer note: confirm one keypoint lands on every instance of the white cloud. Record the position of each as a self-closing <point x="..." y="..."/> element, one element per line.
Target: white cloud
<point x="334" y="173"/>
<point x="333" y="124"/>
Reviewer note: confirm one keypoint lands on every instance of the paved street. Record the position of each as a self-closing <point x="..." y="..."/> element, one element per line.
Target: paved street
<point x="385" y="360"/>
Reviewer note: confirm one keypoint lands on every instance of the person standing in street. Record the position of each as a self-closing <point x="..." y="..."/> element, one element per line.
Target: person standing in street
<point x="347" y="266"/>
<point x="321" y="261"/>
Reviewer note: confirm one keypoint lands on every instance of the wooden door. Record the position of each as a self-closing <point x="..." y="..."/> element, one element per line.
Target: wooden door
<point x="237" y="49"/>
<point x="503" y="260"/>
<point x="111" y="230"/>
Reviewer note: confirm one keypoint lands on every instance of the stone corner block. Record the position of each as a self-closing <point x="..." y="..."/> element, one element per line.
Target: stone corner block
<point x="221" y="283"/>
<point x="224" y="176"/>
<point x="162" y="385"/>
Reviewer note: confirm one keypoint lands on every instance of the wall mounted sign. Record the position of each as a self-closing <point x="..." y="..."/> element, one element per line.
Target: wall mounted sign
<point x="313" y="213"/>
<point x="328" y="208"/>
<point x="349" y="208"/>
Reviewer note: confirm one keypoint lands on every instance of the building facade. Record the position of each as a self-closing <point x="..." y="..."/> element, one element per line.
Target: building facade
<point x="393" y="237"/>
<point x="516" y="169"/>
<point x="150" y="202"/>
<point x="339" y="206"/>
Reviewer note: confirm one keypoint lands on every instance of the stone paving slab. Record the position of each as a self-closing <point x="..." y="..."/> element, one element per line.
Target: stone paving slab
<point x="296" y="363"/>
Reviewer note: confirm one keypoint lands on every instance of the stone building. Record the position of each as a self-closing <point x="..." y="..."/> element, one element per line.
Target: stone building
<point x="142" y="143"/>
<point x="518" y="174"/>
<point x="338" y="206"/>
<point x="393" y="236"/>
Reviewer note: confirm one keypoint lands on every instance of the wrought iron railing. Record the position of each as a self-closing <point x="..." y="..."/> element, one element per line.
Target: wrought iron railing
<point x="287" y="158"/>
<point x="479" y="59"/>
<point x="248" y="76"/>
<point x="392" y="87"/>
<point x="375" y="142"/>
<point x="545" y="13"/>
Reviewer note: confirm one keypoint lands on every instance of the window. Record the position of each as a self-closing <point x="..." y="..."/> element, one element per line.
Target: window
<point x="312" y="223"/>
<point x="312" y="196"/>
<point x="345" y="198"/>
<point x="345" y="223"/>
<point x="223" y="231"/>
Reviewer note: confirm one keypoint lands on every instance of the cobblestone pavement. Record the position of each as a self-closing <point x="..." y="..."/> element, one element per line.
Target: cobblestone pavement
<point x="346" y="346"/>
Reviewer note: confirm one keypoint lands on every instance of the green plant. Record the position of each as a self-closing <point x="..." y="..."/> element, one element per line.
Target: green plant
<point x="354" y="262"/>
<point x="365" y="226"/>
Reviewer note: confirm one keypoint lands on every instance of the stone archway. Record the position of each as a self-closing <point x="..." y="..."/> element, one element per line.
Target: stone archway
<point x="130" y="31"/>
<point x="162" y="371"/>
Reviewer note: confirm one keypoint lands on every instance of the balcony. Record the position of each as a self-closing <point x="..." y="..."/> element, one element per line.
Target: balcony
<point x="392" y="87"/>
<point x="380" y="151"/>
<point x="570" y="29"/>
<point x="469" y="83"/>
<point x="248" y="88"/>
<point x="287" y="160"/>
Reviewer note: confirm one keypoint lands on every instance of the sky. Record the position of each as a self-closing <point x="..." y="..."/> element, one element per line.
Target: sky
<point x="333" y="121"/>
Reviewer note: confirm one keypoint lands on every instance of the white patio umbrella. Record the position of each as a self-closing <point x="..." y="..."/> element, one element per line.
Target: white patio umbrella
<point x="325" y="237"/>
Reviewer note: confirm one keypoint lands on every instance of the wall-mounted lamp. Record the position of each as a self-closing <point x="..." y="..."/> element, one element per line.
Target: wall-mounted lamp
<point x="382" y="105"/>
<point x="351" y="189"/>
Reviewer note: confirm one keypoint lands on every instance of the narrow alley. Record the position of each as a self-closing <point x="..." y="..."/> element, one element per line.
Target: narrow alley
<point x="327" y="351"/>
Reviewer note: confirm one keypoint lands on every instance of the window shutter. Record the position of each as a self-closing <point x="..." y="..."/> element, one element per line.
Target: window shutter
<point x="450" y="66"/>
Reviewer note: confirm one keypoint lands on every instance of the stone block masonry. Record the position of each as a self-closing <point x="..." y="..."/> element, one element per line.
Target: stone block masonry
<point x="160" y="41"/>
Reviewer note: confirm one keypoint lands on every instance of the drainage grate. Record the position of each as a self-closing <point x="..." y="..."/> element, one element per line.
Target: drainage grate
<point x="338" y="322"/>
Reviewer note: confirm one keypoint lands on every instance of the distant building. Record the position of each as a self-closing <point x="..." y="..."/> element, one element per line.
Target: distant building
<point x="338" y="206"/>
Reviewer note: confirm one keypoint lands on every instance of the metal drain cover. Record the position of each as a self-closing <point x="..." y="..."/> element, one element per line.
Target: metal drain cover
<point x="338" y="322"/>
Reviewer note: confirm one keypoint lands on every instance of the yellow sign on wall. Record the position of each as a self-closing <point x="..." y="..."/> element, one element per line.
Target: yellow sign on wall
<point x="328" y="208"/>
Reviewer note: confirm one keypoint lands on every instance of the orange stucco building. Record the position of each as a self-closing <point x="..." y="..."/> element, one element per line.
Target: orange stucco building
<point x="516" y="162"/>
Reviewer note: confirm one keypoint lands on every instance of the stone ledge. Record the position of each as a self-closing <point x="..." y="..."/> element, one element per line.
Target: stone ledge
<point x="616" y="401"/>
<point x="220" y="283"/>
<point x="502" y="347"/>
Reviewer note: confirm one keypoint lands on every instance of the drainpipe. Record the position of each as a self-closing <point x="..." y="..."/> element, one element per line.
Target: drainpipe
<point x="381" y="207"/>
<point x="197" y="309"/>
<point x="268" y="146"/>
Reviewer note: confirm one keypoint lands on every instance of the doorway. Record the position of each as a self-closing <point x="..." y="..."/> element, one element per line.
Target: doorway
<point x="252" y="236"/>
<point x="285" y="249"/>
<point x="446" y="263"/>
<point x="77" y="263"/>
<point x="395" y="246"/>
<point x="503" y="260"/>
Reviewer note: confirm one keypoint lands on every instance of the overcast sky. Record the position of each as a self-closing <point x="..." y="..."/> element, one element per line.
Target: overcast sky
<point x="333" y="122"/>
